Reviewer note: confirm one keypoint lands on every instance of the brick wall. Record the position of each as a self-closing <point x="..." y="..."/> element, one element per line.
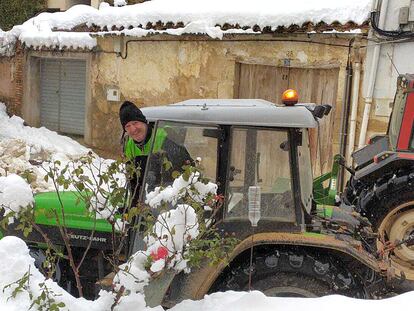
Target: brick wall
<point x="11" y="81"/>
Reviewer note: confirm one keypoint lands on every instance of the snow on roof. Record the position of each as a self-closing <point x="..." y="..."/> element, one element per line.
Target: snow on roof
<point x="72" y="28"/>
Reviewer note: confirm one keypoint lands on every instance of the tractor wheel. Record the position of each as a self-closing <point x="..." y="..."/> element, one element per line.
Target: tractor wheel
<point x="397" y="224"/>
<point x="292" y="285"/>
<point x="293" y="274"/>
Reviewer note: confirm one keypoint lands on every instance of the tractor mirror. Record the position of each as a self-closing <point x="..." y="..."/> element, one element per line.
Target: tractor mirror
<point x="318" y="112"/>
<point x="328" y="109"/>
<point x="321" y="110"/>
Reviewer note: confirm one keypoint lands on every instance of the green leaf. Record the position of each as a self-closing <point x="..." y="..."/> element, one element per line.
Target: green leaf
<point x="167" y="164"/>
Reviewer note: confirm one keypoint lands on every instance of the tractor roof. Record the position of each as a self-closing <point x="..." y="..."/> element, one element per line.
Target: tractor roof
<point x="254" y="112"/>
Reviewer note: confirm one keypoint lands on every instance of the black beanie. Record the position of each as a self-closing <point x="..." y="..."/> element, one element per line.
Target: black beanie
<point x="129" y="112"/>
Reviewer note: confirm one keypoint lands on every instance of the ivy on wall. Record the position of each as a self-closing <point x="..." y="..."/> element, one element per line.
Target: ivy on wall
<point x="16" y="12"/>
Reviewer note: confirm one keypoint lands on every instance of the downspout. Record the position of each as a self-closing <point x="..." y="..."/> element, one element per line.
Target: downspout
<point x="372" y="76"/>
<point x="354" y="105"/>
<point x="345" y="114"/>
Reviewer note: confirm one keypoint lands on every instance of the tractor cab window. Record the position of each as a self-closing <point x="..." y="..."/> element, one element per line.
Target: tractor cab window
<point x="177" y="145"/>
<point x="260" y="157"/>
<point x="396" y="117"/>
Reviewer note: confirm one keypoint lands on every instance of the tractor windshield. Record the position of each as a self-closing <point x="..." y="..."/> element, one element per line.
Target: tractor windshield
<point x="396" y="117"/>
<point x="177" y="146"/>
<point x="260" y="157"/>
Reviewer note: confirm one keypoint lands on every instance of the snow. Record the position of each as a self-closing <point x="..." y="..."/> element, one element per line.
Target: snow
<point x="15" y="194"/>
<point x="243" y="12"/>
<point x="52" y="30"/>
<point x="179" y="188"/>
<point x="16" y="261"/>
<point x="120" y="2"/>
<point x="38" y="139"/>
<point x="247" y="301"/>
<point x="183" y="222"/>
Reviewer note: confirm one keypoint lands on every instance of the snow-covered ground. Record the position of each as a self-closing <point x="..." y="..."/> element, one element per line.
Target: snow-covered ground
<point x="16" y="263"/>
<point x="197" y="16"/>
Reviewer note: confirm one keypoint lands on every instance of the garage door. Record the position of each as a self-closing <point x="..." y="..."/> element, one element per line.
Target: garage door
<point x="314" y="85"/>
<point x="62" y="95"/>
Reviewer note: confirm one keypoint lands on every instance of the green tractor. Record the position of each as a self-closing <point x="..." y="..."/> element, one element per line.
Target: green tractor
<point x="298" y="248"/>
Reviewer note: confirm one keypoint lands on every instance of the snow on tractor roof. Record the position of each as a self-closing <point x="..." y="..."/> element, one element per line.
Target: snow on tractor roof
<point x="252" y="112"/>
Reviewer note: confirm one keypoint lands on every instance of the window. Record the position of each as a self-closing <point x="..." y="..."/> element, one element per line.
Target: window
<point x="260" y="158"/>
<point x="396" y="118"/>
<point x="181" y="144"/>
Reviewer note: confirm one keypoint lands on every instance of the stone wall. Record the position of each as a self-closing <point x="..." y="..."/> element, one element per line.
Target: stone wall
<point x="163" y="70"/>
<point x="11" y="82"/>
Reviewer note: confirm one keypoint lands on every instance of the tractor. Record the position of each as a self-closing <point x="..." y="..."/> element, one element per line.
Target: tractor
<point x="291" y="243"/>
<point x="381" y="185"/>
<point x="298" y="248"/>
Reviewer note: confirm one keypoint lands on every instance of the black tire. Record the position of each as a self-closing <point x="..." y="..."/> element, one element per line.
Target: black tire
<point x="293" y="273"/>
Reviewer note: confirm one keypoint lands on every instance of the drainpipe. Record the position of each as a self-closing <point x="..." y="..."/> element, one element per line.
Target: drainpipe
<point x="345" y="115"/>
<point x="354" y="107"/>
<point x="372" y="76"/>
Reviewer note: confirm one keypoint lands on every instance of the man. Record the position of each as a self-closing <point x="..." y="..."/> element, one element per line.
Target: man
<point x="137" y="146"/>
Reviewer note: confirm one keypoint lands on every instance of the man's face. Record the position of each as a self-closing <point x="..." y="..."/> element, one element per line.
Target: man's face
<point x="137" y="130"/>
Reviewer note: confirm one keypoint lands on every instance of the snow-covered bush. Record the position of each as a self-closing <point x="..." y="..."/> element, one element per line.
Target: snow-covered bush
<point x="174" y="216"/>
<point x="15" y="196"/>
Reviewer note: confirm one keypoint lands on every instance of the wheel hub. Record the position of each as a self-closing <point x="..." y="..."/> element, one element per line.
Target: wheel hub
<point x="397" y="226"/>
<point x="400" y="230"/>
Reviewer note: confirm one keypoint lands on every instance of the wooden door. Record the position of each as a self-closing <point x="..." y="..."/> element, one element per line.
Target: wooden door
<point x="314" y="85"/>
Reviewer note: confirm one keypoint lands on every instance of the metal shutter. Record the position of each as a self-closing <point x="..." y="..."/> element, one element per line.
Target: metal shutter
<point x="62" y="94"/>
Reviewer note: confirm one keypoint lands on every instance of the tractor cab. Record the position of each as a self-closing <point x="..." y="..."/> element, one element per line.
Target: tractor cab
<point x="399" y="136"/>
<point x="239" y="144"/>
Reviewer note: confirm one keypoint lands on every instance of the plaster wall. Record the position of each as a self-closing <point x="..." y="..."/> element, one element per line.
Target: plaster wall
<point x="157" y="72"/>
<point x="394" y="57"/>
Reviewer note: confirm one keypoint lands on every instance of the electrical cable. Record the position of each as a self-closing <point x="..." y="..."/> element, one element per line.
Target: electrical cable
<point x="388" y="33"/>
<point x="119" y="54"/>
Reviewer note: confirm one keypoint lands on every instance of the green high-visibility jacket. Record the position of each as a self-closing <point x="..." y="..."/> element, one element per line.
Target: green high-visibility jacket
<point x="132" y="151"/>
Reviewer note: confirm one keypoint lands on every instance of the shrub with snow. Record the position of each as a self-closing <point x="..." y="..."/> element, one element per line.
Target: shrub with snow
<point x="15" y="195"/>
